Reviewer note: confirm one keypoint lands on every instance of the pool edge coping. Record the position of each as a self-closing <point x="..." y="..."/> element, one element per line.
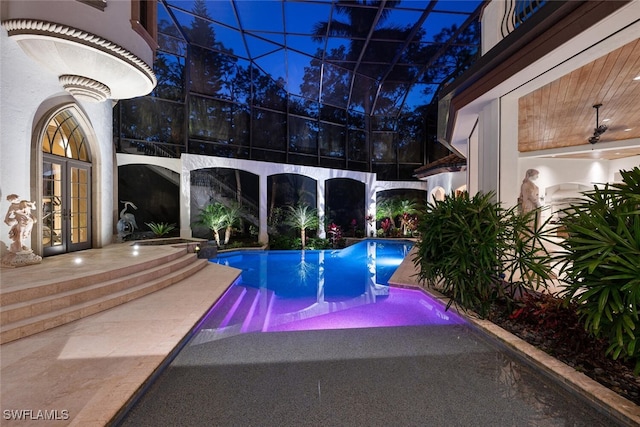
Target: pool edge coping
<point x="605" y="399"/>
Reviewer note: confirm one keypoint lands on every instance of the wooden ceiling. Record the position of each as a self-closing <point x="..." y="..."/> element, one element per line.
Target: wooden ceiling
<point x="561" y="114"/>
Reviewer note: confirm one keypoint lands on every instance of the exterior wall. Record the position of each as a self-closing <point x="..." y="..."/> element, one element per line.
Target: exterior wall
<point x="113" y="23"/>
<point x="27" y="94"/>
<point x="491" y="18"/>
<point x="448" y="181"/>
<point x="486" y="129"/>
<point x="263" y="170"/>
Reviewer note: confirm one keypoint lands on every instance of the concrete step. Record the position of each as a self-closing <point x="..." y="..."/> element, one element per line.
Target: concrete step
<point x="100" y="297"/>
<point x="51" y="302"/>
<point x="57" y="284"/>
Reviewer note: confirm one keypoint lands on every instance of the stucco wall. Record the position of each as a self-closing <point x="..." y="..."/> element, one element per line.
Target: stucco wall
<point x="113" y="23"/>
<point x="27" y="93"/>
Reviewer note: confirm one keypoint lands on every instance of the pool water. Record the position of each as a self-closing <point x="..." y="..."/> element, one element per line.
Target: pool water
<point x="319" y="289"/>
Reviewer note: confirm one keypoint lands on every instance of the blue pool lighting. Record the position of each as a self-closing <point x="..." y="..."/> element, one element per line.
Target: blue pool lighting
<point x="320" y="289"/>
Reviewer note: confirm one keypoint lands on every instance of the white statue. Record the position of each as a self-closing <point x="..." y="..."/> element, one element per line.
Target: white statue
<point x="127" y="223"/>
<point x="21" y="220"/>
<point x="529" y="198"/>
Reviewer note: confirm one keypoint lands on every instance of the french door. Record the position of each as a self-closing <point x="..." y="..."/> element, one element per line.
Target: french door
<point x="66" y="199"/>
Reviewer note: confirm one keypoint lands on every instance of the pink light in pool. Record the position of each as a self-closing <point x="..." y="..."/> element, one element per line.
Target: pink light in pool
<point x="403" y="307"/>
<point x="347" y="294"/>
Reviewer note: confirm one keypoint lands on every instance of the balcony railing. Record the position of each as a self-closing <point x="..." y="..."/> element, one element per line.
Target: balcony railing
<point x="518" y="11"/>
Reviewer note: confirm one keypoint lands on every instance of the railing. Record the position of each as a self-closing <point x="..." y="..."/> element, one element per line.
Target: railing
<point x="148" y="148"/>
<point x="516" y="12"/>
<point x="225" y="194"/>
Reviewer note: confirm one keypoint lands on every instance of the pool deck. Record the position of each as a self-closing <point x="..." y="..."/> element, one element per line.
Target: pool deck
<point x="91" y="368"/>
<point x="606" y="400"/>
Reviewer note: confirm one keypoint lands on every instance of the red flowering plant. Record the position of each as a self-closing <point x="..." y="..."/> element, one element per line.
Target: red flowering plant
<point x="335" y="234"/>
<point x="386" y="226"/>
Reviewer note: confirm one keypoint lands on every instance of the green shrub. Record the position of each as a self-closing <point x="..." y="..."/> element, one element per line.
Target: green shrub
<point x="601" y="263"/>
<point x="318" y="243"/>
<point x="160" y="229"/>
<point x="281" y="241"/>
<point x="477" y="252"/>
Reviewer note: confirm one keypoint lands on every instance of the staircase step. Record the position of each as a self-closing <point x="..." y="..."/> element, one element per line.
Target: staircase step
<point x="63" y="284"/>
<point x="37" y="306"/>
<point x="240" y="310"/>
<point x="32" y="325"/>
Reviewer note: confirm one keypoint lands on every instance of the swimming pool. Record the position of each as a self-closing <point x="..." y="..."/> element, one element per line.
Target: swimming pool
<point x="319" y="289"/>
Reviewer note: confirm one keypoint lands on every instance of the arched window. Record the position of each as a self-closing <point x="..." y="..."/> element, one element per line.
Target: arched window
<point x="64" y="137"/>
<point x="66" y="185"/>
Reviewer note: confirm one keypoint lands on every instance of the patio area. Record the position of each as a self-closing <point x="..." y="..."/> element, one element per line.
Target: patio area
<point x="86" y="372"/>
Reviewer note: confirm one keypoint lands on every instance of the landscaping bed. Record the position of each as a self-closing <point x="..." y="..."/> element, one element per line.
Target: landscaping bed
<point x="545" y="323"/>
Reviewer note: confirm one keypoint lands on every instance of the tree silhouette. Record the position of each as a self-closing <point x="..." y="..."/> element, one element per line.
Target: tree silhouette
<point x="460" y="53"/>
<point x="373" y="62"/>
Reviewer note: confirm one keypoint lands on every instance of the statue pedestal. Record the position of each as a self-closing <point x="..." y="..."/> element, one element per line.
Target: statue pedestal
<point x="20" y="259"/>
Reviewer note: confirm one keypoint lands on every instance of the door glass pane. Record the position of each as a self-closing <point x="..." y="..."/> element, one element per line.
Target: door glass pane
<point x="66" y="188"/>
<point x="52" y="204"/>
<point x="79" y="204"/>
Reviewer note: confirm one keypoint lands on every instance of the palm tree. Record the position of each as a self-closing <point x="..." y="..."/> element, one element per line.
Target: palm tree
<point x="386" y="209"/>
<point x="233" y="214"/>
<point x="405" y="209"/>
<point x="213" y="216"/>
<point x="302" y="217"/>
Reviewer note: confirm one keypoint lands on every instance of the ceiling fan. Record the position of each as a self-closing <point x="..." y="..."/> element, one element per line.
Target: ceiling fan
<point x="600" y="128"/>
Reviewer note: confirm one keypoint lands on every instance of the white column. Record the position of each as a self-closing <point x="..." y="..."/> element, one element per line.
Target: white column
<point x="320" y="205"/>
<point x="263" y="231"/>
<point x="510" y="174"/>
<point x="370" y="197"/>
<point x="489" y="148"/>
<point x="473" y="183"/>
<point x="185" y="203"/>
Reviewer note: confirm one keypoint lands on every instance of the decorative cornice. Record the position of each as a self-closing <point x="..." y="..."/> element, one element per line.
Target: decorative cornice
<point x="52" y="29"/>
<point x="84" y="87"/>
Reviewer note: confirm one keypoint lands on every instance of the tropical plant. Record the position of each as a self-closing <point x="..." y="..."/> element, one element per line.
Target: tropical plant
<point x="232" y="217"/>
<point x="302" y="217"/>
<point x="335" y="233"/>
<point x="477" y="252"/>
<point x="386" y="209"/>
<point x="397" y="208"/>
<point x="159" y="229"/>
<point x="601" y="263"/>
<point x="406" y="210"/>
<point x="212" y="216"/>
